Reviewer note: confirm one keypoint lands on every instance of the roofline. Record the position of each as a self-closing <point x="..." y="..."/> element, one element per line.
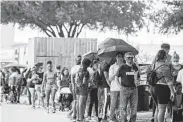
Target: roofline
<point x="19" y="44"/>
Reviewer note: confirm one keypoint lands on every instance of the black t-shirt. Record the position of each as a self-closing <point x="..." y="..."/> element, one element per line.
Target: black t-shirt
<point x="127" y="74"/>
<point x="30" y="84"/>
<point x="104" y="68"/>
<point x="41" y="77"/>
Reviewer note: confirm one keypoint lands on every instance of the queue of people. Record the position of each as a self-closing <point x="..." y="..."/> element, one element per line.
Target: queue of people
<point x="106" y="86"/>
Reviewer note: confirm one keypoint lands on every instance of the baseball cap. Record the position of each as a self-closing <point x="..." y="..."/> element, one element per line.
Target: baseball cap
<point x="129" y="54"/>
<point x="165" y="46"/>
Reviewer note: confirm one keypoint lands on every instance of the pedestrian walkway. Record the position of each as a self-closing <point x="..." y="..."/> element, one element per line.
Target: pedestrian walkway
<point x="23" y="113"/>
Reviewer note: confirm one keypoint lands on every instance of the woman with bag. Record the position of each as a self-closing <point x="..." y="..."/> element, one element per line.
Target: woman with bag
<point x="164" y="87"/>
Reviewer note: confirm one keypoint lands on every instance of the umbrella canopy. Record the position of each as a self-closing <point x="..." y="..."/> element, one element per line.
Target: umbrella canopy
<point x="15" y="65"/>
<point x="91" y="55"/>
<point x="111" y="46"/>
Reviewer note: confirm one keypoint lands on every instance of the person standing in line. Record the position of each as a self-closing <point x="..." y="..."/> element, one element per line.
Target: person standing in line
<point x="166" y="48"/>
<point x="115" y="86"/>
<point x="26" y="90"/>
<point x="163" y="89"/>
<point x="33" y="78"/>
<point x="93" y="94"/>
<point x="74" y="70"/>
<point x="178" y="104"/>
<point x="58" y="80"/>
<point x="12" y="84"/>
<point x="82" y="81"/>
<point x="38" y="85"/>
<point x="175" y="66"/>
<point x="18" y="83"/>
<point x="128" y="77"/>
<point x="103" y="90"/>
<point x="50" y="86"/>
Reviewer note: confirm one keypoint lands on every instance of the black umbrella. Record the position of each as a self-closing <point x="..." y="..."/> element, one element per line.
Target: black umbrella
<point x="110" y="47"/>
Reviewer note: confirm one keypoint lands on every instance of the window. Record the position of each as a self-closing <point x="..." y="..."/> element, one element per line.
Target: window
<point x="16" y="51"/>
<point x="25" y="50"/>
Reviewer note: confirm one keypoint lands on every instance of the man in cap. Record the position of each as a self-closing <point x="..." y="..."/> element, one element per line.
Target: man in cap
<point x="128" y="77"/>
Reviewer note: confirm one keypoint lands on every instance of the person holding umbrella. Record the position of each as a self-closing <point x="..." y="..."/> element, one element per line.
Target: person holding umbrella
<point x="115" y="86"/>
<point x="128" y="77"/>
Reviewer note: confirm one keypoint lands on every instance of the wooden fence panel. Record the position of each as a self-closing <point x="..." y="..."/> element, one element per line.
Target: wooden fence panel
<point x="61" y="51"/>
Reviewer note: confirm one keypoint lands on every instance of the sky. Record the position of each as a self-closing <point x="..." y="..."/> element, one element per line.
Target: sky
<point x="142" y="36"/>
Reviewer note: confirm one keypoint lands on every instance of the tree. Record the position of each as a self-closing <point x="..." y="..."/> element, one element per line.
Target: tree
<point x="170" y="18"/>
<point x="68" y="18"/>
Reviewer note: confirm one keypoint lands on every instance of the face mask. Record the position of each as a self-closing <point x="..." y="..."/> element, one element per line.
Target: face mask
<point x="175" y="63"/>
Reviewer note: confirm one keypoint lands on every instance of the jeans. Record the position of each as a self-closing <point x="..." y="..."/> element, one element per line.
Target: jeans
<point x="32" y="96"/>
<point x="114" y="103"/>
<point x="93" y="100"/>
<point x="129" y="94"/>
<point x="104" y="101"/>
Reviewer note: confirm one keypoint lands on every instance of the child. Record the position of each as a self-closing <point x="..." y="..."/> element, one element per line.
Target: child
<point x="178" y="104"/>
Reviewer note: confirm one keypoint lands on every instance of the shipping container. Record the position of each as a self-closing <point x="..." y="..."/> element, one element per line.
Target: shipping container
<point x="61" y="51"/>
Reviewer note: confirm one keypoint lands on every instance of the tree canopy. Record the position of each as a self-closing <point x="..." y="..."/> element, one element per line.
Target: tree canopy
<point x="170" y="18"/>
<point x="68" y="18"/>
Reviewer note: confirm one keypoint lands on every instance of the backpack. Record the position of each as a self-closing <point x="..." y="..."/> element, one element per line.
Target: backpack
<point x="96" y="78"/>
<point x="152" y="78"/>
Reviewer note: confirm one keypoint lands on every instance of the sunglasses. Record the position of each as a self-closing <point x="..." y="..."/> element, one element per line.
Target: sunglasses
<point x="129" y="57"/>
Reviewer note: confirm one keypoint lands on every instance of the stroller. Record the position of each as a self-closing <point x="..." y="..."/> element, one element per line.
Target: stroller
<point x="12" y="96"/>
<point x="5" y="91"/>
<point x="65" y="98"/>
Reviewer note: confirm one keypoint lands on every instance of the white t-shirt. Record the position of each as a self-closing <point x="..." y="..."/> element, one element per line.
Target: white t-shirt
<point x="180" y="77"/>
<point x="75" y="69"/>
<point x="112" y="72"/>
<point x="90" y="70"/>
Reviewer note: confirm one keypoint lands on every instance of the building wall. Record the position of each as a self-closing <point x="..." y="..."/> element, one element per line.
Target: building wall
<point x="21" y="54"/>
<point x="7" y="36"/>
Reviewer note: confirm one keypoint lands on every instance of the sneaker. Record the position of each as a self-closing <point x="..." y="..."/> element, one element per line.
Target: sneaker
<point x="53" y="110"/>
<point x="152" y="120"/>
<point x="88" y="118"/>
<point x="47" y="109"/>
<point x="74" y="118"/>
<point x="99" y="119"/>
<point x="33" y="106"/>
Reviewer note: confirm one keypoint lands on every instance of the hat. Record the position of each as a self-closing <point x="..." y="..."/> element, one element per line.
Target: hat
<point x="165" y="46"/>
<point x="129" y="54"/>
<point x="175" y="56"/>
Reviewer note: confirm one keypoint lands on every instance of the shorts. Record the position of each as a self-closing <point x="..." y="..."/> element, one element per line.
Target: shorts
<point x="83" y="90"/>
<point x="50" y="87"/>
<point x="162" y="93"/>
<point x="37" y="87"/>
